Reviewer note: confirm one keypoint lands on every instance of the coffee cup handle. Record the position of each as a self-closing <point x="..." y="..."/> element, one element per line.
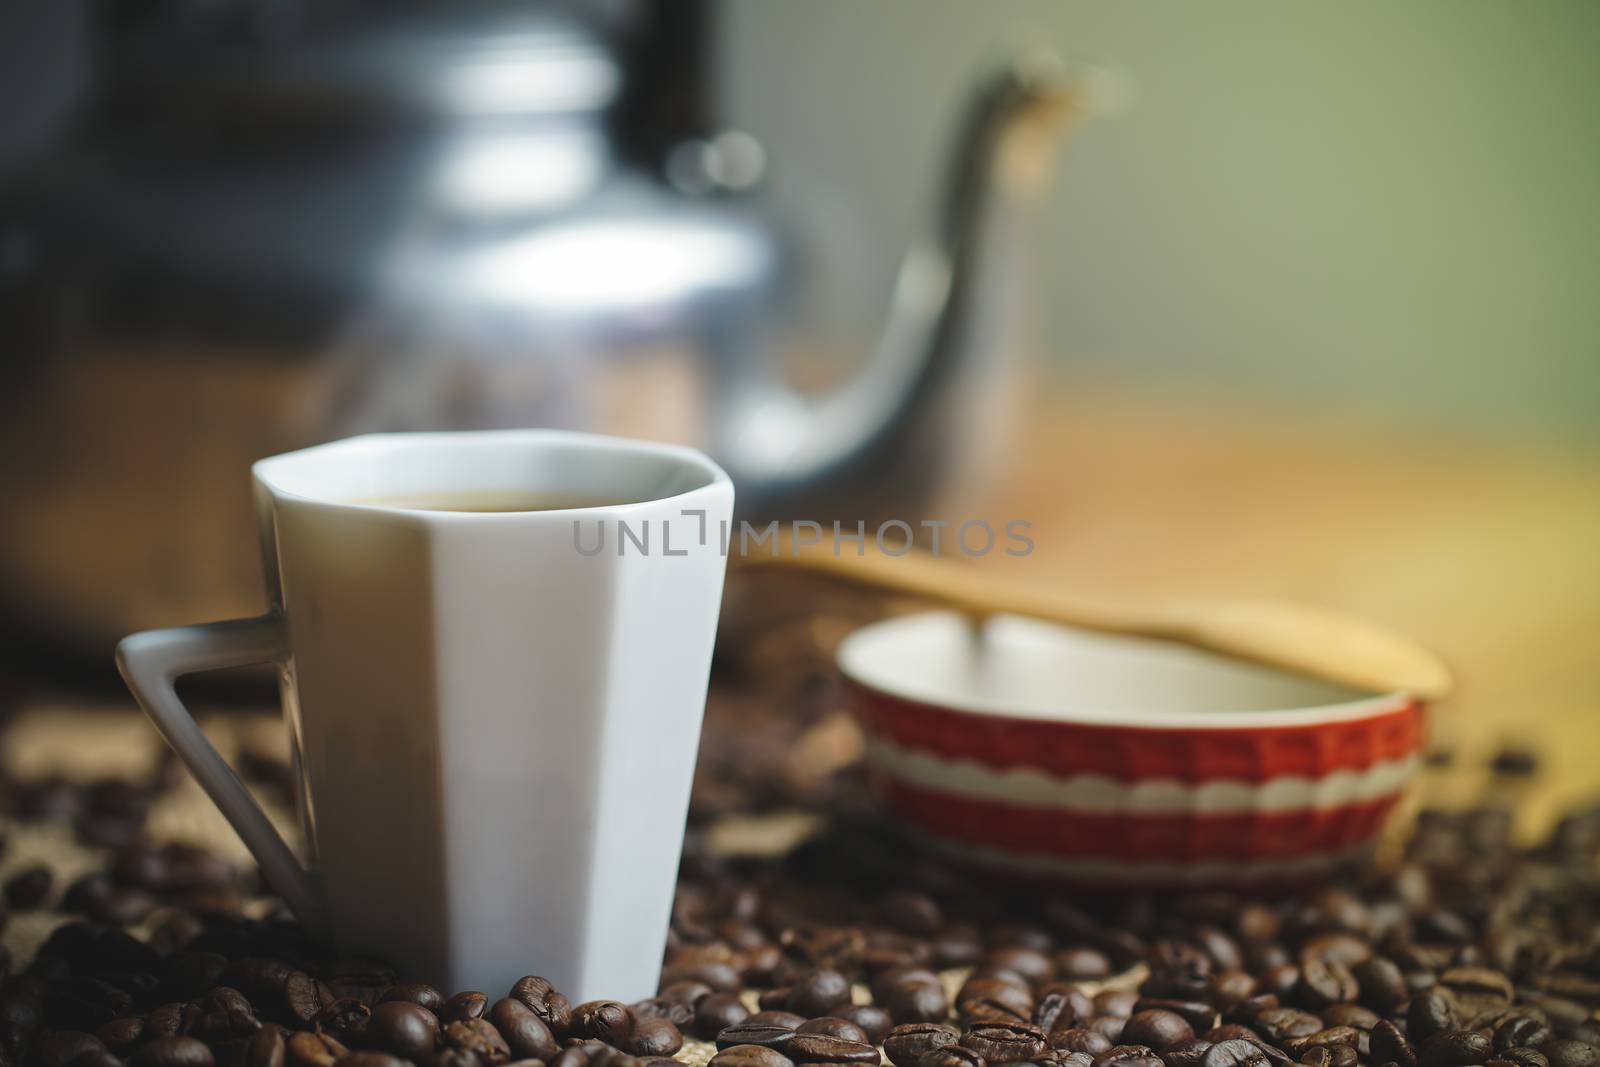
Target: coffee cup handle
<point x="150" y="663"/>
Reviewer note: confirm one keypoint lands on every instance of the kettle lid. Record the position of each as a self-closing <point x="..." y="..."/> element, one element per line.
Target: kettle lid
<point x="449" y="62"/>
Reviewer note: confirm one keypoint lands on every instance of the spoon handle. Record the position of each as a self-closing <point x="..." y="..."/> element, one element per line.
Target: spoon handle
<point x="1306" y="640"/>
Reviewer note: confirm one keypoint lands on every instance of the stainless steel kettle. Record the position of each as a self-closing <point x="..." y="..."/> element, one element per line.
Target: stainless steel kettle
<point x="422" y="222"/>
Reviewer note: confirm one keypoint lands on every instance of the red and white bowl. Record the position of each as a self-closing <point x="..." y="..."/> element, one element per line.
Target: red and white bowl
<point x="1032" y="750"/>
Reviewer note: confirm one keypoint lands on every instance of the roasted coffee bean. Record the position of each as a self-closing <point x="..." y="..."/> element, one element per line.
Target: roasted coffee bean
<point x="1521" y="1031"/>
<point x="1013" y="934"/>
<point x="1235" y="1052"/>
<point x="818" y="992"/>
<point x="27" y="889"/>
<point x="1570" y="1053"/>
<point x="345" y="1019"/>
<point x="1281" y="979"/>
<point x="980" y="979"/>
<point x="908" y="1044"/>
<point x="824" y="1048"/>
<point x="408" y="1029"/>
<point x="911" y="912"/>
<point x="1189" y="979"/>
<point x="753" y="1033"/>
<point x="1454" y="1048"/>
<point x="88" y="895"/>
<point x="219" y="1015"/>
<point x="414" y="993"/>
<point x="1429" y="1013"/>
<point x="786" y="1019"/>
<point x="1324" y="981"/>
<point x="121" y="1033"/>
<point x="873" y="1021"/>
<point x="1005" y="1042"/>
<point x="1231" y="986"/>
<point x="370" y="1058"/>
<point x="1478" y="980"/>
<point x="1032" y="964"/>
<point x="571" y="1056"/>
<point x="1317" y="1057"/>
<point x="1229" y="1032"/>
<point x="552" y="1007"/>
<point x="1128" y="1056"/>
<point x="1588" y="1033"/>
<point x="305" y="997"/>
<point x="1082" y="963"/>
<point x="358" y="979"/>
<point x="477" y="1036"/>
<point x="678" y="1013"/>
<point x="1108" y="1025"/>
<point x="178" y="1052"/>
<point x="262" y="979"/>
<point x="686" y="991"/>
<point x="1080" y="1040"/>
<point x="526" y="1034"/>
<point x="750" y="1056"/>
<point x="715" y="1012"/>
<point x="310" y="1049"/>
<point x="1389" y="1045"/>
<point x="1441" y="924"/>
<point x="833" y="1026"/>
<point x="956" y="946"/>
<point x="720" y="975"/>
<point x="47" y="798"/>
<point x="773" y="999"/>
<point x="1336" y="946"/>
<point x="992" y="998"/>
<point x="470" y="1004"/>
<point x="603" y="1020"/>
<point x="1190" y="1053"/>
<point x="651" y="1037"/>
<point x="1281" y="1024"/>
<point x="884" y="982"/>
<point x="1157" y="1028"/>
<point x="1245" y="1011"/>
<point x="916" y="1002"/>
<point x="1523" y="1057"/>
<point x="1118" y="1002"/>
<point x="1197" y="1015"/>
<point x="1350" y="1015"/>
<point x="953" y="1056"/>
<point x="165" y="1020"/>
<point x="1330" y="1037"/>
<point x="1055" y="1010"/>
<point x="269" y="1048"/>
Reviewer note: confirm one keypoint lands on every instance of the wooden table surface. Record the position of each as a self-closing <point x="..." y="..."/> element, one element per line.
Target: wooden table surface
<point x="1489" y="551"/>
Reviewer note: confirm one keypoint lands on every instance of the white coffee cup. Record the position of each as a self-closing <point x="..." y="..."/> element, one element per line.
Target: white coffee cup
<point x="493" y="723"/>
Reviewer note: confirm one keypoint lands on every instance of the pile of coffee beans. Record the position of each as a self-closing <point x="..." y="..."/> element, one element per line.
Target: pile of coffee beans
<point x="1464" y="951"/>
<point x="854" y="948"/>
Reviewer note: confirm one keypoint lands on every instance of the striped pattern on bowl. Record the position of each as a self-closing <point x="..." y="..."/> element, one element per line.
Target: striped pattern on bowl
<point x="1104" y="804"/>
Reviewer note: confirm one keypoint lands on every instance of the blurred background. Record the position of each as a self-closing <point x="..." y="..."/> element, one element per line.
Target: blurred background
<point x="1233" y="299"/>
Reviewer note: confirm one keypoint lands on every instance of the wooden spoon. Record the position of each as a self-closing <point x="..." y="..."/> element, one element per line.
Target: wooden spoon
<point x="1312" y="641"/>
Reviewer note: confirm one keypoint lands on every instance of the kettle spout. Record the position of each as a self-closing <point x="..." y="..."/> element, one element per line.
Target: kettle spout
<point x="837" y="453"/>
